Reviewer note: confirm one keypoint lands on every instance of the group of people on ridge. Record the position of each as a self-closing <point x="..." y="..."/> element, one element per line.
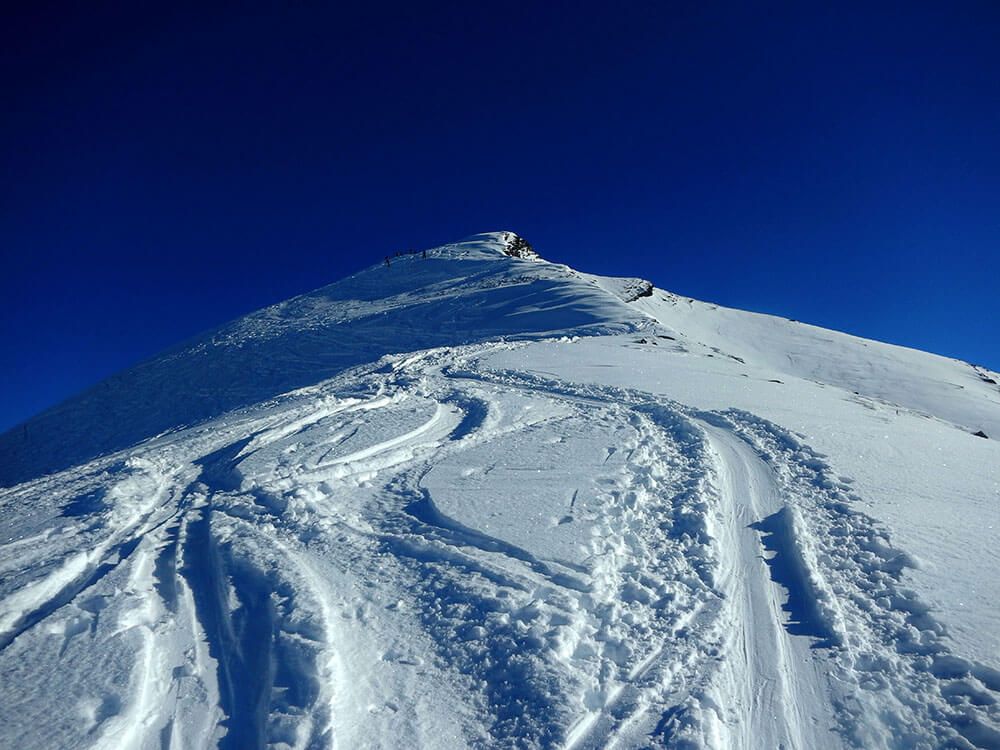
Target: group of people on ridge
<point x="405" y="252"/>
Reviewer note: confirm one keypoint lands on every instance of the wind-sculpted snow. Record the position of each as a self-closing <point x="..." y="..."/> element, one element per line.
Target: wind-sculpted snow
<point x="876" y="373"/>
<point x="458" y="294"/>
<point x="537" y="541"/>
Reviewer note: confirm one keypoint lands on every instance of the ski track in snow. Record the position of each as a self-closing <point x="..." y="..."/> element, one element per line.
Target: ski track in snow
<point x="306" y="586"/>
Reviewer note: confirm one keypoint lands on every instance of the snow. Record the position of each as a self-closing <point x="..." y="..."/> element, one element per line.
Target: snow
<point x="482" y="500"/>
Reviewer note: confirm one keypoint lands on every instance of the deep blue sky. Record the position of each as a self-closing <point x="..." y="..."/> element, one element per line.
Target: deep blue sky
<point x="163" y="171"/>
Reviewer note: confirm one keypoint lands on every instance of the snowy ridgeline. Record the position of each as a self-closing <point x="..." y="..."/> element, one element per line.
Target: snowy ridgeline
<point x="508" y="505"/>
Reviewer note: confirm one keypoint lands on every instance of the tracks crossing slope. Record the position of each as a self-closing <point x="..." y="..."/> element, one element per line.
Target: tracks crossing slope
<point x="430" y="550"/>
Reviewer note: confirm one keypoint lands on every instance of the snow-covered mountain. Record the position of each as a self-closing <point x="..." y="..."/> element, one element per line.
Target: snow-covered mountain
<point x="474" y="498"/>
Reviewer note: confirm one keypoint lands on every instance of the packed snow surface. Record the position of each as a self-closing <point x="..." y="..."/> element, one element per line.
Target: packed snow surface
<point x="477" y="499"/>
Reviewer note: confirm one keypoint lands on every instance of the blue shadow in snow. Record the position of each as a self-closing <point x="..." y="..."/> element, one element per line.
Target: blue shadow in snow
<point x="85" y="505"/>
<point x="788" y="571"/>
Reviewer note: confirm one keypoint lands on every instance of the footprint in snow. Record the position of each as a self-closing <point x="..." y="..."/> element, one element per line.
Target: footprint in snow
<point x="397" y="657"/>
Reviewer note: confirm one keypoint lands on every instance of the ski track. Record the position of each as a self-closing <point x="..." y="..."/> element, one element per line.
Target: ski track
<point x="250" y="575"/>
<point x="785" y="703"/>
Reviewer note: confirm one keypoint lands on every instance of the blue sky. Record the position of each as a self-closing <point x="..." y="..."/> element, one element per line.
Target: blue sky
<point x="167" y="170"/>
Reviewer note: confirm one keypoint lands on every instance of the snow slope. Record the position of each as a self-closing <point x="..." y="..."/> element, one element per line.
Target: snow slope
<point x="489" y="501"/>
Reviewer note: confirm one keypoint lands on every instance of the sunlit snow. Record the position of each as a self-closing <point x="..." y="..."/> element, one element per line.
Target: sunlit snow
<point x="475" y="500"/>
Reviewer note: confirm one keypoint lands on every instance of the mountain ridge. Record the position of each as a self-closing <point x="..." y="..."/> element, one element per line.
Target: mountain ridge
<point x="323" y="310"/>
<point x="240" y="346"/>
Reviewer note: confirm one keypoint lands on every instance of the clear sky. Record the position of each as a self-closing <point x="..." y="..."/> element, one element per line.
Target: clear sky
<point x="166" y="170"/>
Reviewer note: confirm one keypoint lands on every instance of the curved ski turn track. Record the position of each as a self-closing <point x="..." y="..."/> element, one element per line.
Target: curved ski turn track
<point x="366" y="569"/>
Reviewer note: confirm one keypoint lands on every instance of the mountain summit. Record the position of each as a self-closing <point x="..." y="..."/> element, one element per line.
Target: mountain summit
<point x="487" y="286"/>
<point x="518" y="247"/>
<point x="470" y="497"/>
